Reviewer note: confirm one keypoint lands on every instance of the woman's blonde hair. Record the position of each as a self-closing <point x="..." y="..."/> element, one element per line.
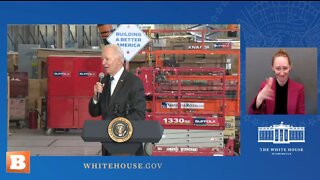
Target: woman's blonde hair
<point x="281" y="53"/>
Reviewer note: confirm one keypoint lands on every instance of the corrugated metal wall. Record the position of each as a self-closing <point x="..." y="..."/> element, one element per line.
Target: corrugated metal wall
<point x="53" y="36"/>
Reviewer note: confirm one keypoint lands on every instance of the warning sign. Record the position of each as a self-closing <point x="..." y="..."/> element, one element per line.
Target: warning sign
<point x="130" y="38"/>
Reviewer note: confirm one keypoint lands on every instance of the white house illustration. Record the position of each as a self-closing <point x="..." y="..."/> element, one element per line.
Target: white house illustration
<point x="281" y="134"/>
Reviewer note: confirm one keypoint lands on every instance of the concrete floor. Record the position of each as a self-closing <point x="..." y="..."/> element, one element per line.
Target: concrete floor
<point x="58" y="144"/>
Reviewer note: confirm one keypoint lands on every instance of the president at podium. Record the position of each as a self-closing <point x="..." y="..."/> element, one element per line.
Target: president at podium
<point x="119" y="94"/>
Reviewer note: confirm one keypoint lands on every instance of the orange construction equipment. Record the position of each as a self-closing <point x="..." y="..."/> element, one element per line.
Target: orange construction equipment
<point x="191" y="102"/>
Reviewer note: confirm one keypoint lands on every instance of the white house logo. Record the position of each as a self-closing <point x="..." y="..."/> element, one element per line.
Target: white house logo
<point x="281" y="134"/>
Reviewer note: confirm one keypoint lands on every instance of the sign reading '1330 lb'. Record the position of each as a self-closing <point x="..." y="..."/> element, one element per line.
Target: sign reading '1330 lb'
<point x="130" y="38"/>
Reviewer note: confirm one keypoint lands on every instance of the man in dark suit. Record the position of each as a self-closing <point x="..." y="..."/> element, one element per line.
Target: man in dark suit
<point x="121" y="92"/>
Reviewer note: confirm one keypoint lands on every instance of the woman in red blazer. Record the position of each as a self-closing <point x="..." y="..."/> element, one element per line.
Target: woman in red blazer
<point x="279" y="95"/>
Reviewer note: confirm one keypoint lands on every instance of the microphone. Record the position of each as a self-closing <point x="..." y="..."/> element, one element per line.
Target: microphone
<point x="101" y="76"/>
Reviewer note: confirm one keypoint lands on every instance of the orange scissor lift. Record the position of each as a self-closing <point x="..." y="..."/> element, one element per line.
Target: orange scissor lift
<point x="190" y="102"/>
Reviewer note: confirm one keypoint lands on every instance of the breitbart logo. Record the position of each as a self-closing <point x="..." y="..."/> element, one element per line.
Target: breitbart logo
<point x="18" y="162"/>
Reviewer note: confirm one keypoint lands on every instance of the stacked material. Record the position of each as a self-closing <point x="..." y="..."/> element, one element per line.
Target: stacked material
<point x="230" y="127"/>
<point x="191" y="138"/>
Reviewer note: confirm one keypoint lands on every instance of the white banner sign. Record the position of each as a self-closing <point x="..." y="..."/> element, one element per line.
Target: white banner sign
<point x="130" y="38"/>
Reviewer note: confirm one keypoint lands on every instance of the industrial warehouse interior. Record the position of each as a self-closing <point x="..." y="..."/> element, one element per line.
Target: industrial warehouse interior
<point x="190" y="74"/>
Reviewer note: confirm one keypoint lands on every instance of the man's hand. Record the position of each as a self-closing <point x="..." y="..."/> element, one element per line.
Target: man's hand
<point x="97" y="88"/>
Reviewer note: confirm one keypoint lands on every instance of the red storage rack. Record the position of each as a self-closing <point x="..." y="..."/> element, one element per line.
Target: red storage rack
<point x="70" y="87"/>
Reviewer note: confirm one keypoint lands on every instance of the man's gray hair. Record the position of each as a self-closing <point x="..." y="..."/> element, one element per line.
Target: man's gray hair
<point x="117" y="50"/>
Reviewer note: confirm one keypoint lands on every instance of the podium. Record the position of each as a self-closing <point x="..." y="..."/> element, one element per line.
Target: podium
<point x="143" y="132"/>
